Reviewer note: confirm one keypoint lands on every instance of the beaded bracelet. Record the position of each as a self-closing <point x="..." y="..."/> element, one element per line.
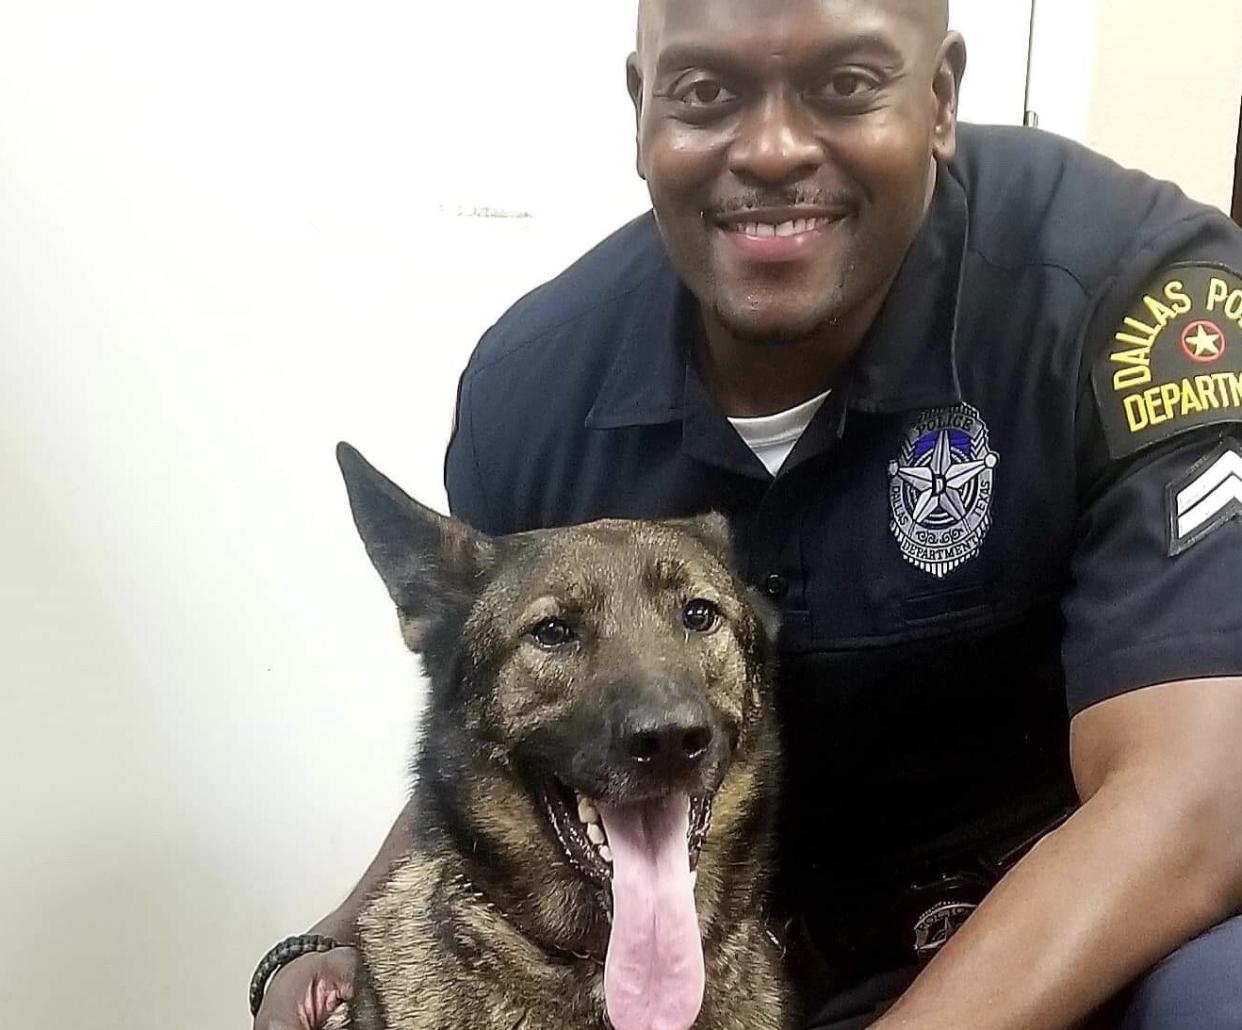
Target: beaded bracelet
<point x="280" y="956"/>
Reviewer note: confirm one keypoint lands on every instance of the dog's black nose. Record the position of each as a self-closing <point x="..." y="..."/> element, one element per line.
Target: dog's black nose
<point x="664" y="741"/>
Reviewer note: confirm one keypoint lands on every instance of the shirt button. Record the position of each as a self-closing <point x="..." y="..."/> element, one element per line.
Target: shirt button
<point x="776" y="586"/>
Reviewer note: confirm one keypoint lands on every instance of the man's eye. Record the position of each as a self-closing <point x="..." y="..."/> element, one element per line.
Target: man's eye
<point x="552" y="633"/>
<point x="849" y="85"/>
<point x="703" y="93"/>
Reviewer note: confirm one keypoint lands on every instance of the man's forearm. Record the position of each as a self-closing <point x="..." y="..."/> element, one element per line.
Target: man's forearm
<point x="342" y="922"/>
<point x="1133" y="875"/>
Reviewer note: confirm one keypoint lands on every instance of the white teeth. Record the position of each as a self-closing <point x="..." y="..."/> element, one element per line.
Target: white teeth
<point x="763" y="230"/>
<point x="587" y="812"/>
<point x="588" y="815"/>
<point x="694" y="879"/>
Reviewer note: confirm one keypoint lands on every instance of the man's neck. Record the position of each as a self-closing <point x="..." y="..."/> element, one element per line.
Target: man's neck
<point x="749" y="378"/>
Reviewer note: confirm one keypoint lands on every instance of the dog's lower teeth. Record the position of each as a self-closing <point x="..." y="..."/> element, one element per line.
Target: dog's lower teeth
<point x="595" y="833"/>
<point x="605" y="852"/>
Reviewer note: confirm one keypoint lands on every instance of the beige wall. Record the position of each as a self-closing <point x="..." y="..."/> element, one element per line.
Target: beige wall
<point x="1165" y="90"/>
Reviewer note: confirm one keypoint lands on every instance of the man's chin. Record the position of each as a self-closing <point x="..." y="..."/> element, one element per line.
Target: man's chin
<point x="773" y="328"/>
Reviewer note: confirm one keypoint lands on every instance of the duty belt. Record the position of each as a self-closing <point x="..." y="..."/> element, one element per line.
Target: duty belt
<point x="868" y="932"/>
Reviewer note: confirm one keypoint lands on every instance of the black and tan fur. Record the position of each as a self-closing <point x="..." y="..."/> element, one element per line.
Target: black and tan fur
<point x="487" y="924"/>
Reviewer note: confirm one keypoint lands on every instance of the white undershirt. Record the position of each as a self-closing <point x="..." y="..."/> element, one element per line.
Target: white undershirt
<point x="772" y="437"/>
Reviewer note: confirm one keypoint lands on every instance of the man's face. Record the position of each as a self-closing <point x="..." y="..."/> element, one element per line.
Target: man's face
<point x="789" y="145"/>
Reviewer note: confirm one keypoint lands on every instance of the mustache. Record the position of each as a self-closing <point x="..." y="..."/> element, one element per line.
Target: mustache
<point x="792" y="196"/>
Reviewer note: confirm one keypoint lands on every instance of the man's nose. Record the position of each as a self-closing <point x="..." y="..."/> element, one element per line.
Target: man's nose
<point x="777" y="142"/>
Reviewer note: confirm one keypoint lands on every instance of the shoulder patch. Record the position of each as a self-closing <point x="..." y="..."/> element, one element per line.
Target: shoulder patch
<point x="1207" y="496"/>
<point x="1175" y="360"/>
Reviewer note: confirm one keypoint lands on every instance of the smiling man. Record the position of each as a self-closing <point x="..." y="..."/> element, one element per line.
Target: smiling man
<point x="789" y="255"/>
<point x="972" y="401"/>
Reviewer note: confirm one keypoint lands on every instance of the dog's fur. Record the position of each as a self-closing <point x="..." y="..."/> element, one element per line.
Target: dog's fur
<point x="490" y="923"/>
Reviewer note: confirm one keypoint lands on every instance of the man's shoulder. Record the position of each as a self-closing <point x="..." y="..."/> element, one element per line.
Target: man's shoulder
<point x="526" y="398"/>
<point x="580" y="308"/>
<point x="1038" y="199"/>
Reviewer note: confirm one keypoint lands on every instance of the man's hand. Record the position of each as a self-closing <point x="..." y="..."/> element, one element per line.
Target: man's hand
<point x="303" y="994"/>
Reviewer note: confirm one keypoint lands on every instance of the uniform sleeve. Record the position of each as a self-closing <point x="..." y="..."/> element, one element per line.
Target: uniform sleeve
<point x="463" y="480"/>
<point x="1156" y="590"/>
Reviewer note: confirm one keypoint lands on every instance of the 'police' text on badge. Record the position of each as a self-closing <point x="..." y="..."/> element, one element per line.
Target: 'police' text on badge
<point x="940" y="489"/>
<point x="1175" y="361"/>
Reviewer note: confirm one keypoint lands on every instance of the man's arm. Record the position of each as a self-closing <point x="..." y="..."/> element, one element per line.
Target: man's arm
<point x="342" y="922"/>
<point x="303" y="994"/>
<point x="1153" y="858"/>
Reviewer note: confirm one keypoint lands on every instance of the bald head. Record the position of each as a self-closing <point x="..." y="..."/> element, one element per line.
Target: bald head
<point x="839" y="109"/>
<point x="932" y="15"/>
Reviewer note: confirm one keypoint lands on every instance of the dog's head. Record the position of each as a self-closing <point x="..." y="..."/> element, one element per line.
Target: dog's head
<point x="614" y="674"/>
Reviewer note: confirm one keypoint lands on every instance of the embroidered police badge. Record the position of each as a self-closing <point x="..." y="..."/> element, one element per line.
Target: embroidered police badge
<point x="940" y="489"/>
<point x="1175" y="362"/>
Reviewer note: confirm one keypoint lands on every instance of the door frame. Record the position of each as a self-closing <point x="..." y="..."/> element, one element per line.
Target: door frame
<point x="1237" y="175"/>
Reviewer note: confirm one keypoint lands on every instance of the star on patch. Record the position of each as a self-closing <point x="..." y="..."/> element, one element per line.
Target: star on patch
<point x="1203" y="341"/>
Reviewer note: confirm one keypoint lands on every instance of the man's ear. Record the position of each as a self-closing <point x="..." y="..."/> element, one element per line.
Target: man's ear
<point x="634" y="83"/>
<point x="946" y="91"/>
<point x="433" y="566"/>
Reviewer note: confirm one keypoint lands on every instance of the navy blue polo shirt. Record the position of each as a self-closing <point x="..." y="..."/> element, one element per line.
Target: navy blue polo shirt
<point x="1019" y="502"/>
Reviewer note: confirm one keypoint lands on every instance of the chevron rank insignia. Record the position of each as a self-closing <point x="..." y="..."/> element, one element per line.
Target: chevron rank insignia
<point x="1208" y="496"/>
<point x="1175" y="360"/>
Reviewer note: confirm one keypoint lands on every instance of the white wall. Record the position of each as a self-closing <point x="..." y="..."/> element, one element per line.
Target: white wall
<point x="228" y="238"/>
<point x="997" y="37"/>
<point x="226" y="242"/>
<point x="1063" y="64"/>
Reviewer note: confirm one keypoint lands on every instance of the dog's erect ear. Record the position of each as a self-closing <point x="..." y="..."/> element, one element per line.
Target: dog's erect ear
<point x="711" y="530"/>
<point x="433" y="566"/>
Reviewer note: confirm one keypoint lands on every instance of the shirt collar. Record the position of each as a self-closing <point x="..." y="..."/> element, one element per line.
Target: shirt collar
<point x="646" y="383"/>
<point x="907" y="361"/>
<point x="909" y="358"/>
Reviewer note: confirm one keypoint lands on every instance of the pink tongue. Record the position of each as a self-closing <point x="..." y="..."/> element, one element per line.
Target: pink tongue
<point x="653" y="974"/>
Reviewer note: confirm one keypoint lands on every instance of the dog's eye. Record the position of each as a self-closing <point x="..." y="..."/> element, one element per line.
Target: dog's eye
<point x="552" y="633"/>
<point x="699" y="615"/>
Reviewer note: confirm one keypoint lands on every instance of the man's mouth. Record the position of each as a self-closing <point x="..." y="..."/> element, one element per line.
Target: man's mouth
<point x="766" y="230"/>
<point x="778" y="234"/>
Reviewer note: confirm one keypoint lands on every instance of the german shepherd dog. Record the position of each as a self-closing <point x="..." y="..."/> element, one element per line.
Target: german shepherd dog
<point x="594" y="784"/>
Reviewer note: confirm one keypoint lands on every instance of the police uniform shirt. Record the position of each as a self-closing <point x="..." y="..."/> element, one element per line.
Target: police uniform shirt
<point x="1020" y="501"/>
